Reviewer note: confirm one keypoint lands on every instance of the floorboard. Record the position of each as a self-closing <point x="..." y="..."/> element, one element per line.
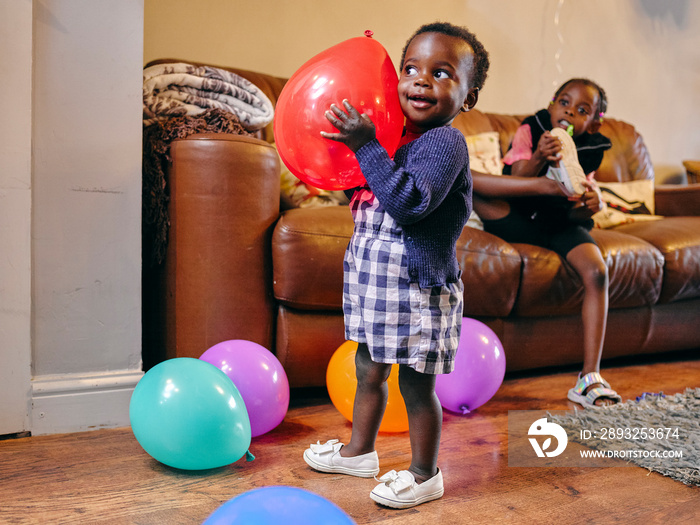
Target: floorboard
<point x="106" y="477"/>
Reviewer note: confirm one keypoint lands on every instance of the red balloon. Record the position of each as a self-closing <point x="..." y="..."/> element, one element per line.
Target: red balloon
<point x="358" y="69"/>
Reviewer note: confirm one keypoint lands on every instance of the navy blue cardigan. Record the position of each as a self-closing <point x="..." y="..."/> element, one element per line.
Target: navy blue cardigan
<point x="427" y="189"/>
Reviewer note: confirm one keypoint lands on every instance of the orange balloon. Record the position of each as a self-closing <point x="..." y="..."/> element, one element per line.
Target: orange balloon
<point x="342" y="385"/>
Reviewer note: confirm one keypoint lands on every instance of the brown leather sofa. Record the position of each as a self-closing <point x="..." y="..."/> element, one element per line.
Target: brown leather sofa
<point x="238" y="268"/>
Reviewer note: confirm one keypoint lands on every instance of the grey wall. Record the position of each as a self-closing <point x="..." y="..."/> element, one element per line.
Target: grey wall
<point x="70" y="212"/>
<point x="87" y="185"/>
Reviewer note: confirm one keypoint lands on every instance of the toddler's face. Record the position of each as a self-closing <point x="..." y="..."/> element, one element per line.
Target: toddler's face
<point x="434" y="83"/>
<point x="576" y="104"/>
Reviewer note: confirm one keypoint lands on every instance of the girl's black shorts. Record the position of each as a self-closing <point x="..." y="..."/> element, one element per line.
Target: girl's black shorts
<point x="516" y="227"/>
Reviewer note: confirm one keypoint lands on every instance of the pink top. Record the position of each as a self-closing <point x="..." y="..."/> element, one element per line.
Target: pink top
<point x="521" y="147"/>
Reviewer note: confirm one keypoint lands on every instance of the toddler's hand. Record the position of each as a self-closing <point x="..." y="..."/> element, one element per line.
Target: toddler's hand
<point x="354" y="129"/>
<point x="549" y="147"/>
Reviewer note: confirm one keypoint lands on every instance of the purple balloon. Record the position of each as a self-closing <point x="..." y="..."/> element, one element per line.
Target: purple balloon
<point x="480" y="365"/>
<point x="259" y="377"/>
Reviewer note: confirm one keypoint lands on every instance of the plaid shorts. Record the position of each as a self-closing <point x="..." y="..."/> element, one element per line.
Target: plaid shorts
<point x="400" y="321"/>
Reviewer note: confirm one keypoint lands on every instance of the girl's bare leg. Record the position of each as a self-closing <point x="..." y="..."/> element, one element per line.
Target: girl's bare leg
<point x="588" y="262"/>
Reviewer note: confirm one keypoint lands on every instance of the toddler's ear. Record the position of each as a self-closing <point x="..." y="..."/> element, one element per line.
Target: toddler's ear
<point x="471" y="99"/>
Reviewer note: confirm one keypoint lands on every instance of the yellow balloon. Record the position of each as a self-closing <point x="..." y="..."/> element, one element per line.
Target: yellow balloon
<point x="342" y="385"/>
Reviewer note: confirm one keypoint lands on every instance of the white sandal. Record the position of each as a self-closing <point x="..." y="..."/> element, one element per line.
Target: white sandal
<point x="589" y="398"/>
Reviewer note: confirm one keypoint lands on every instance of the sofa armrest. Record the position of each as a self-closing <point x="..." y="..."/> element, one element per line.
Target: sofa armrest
<point x="674" y="200"/>
<point x="692" y="168"/>
<point x="224" y="203"/>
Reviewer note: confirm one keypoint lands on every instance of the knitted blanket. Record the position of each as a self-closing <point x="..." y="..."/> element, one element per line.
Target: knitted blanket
<point x="180" y="89"/>
<point x="156" y="157"/>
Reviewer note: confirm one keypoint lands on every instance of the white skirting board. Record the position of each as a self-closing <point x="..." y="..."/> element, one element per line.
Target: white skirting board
<point x="79" y="402"/>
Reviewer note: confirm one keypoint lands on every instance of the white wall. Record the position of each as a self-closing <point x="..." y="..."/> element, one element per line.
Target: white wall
<point x="645" y="53"/>
<point x="85" y="192"/>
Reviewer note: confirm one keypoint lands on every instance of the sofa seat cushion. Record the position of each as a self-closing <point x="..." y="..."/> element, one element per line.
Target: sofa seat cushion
<point x="490" y="272"/>
<point x="678" y="240"/>
<point x="305" y="343"/>
<point x="550" y="287"/>
<point x="308" y="246"/>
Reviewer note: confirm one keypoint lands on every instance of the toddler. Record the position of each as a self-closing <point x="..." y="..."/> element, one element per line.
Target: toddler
<point x="403" y="293"/>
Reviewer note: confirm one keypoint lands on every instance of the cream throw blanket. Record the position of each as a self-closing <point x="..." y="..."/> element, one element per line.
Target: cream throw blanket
<point x="180" y="89"/>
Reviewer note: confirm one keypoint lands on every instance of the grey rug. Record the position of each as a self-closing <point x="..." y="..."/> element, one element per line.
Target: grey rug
<point x="652" y="426"/>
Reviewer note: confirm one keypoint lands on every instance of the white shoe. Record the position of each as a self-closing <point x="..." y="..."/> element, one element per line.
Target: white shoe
<point x="569" y="174"/>
<point x="327" y="458"/>
<point x="399" y="490"/>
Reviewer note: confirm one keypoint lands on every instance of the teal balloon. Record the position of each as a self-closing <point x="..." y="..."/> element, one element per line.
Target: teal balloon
<point x="186" y="413"/>
<point x="279" y="505"/>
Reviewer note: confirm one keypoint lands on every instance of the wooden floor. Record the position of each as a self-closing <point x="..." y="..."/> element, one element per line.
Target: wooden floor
<point x="105" y="476"/>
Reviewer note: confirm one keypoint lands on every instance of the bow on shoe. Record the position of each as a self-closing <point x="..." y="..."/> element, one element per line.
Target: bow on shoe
<point x="328" y="446"/>
<point x="395" y="482"/>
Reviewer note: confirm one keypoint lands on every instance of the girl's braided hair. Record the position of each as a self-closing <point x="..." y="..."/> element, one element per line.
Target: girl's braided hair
<point x="602" y="97"/>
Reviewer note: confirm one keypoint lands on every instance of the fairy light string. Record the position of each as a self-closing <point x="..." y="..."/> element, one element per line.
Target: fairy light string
<point x="560" y="48"/>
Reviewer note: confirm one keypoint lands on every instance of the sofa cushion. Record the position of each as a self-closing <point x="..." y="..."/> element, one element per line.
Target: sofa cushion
<point x="678" y="240"/>
<point x="490" y="272"/>
<point x="308" y="246"/>
<point x="475" y="122"/>
<point x="550" y="287"/>
<point x="626" y="202"/>
<point x="305" y="343"/>
<point x="485" y="152"/>
<point x="635" y="269"/>
<point x="485" y="157"/>
<point x="627" y="160"/>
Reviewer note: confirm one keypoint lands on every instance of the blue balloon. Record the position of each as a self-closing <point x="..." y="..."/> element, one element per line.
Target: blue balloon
<point x="275" y="505"/>
<point x="188" y="414"/>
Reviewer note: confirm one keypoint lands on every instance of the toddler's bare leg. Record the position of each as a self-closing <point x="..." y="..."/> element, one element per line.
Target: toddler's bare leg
<point x="424" y="421"/>
<point x="370" y="403"/>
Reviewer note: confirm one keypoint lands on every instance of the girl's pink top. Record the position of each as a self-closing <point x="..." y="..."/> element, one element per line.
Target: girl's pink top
<point x="521" y="148"/>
